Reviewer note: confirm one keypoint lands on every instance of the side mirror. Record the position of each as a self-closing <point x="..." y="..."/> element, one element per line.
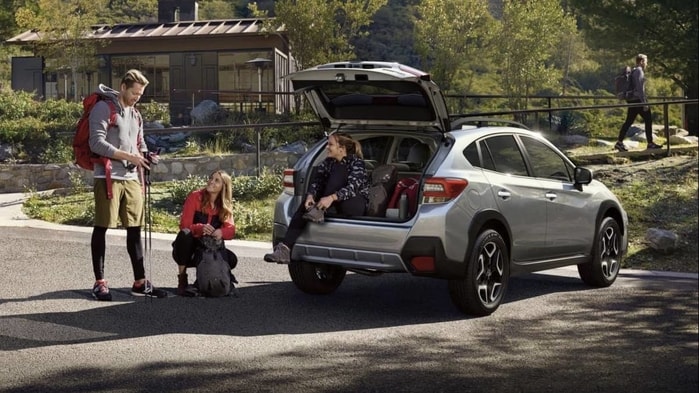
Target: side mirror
<point x="582" y="176"/>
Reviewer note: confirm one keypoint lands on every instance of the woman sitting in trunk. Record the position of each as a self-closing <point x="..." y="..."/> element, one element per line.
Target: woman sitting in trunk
<point x="341" y="182"/>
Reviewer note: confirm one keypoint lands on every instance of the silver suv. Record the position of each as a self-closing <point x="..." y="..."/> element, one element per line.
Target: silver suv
<point x="492" y="200"/>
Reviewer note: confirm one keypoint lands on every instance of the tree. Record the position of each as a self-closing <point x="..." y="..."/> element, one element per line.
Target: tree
<point x="129" y="11"/>
<point x="665" y="30"/>
<point x="216" y="9"/>
<point x="451" y="35"/>
<point x="320" y="31"/>
<point x="528" y="39"/>
<point x="63" y="27"/>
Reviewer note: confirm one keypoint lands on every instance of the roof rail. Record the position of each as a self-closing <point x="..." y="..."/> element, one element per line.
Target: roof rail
<point x="484" y="122"/>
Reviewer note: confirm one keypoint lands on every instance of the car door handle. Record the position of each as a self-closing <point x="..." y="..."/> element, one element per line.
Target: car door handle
<point x="551" y="195"/>
<point x="504" y="194"/>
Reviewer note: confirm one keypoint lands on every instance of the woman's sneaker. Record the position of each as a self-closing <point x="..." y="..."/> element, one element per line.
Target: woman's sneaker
<point x="147" y="289"/>
<point x="654" y="146"/>
<point x="281" y="254"/>
<point x="100" y="291"/>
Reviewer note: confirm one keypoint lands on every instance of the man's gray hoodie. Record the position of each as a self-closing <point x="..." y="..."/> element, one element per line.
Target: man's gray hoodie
<point x="126" y="135"/>
<point x="638" y="81"/>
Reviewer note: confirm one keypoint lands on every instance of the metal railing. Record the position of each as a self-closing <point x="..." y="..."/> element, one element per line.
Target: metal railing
<point x="259" y="127"/>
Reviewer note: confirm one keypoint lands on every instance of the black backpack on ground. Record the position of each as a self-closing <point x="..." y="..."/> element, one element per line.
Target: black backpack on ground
<point x="214" y="278"/>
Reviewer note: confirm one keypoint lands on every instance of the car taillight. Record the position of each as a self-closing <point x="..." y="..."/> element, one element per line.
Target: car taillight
<point x="288" y="181"/>
<point x="441" y="189"/>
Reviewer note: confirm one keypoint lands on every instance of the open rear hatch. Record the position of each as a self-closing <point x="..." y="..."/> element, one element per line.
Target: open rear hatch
<point x="373" y="93"/>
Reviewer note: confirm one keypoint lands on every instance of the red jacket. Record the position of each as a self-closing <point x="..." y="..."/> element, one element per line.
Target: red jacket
<point x="194" y="219"/>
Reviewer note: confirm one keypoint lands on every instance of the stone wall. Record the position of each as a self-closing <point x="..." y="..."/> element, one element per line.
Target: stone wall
<point x="36" y="177"/>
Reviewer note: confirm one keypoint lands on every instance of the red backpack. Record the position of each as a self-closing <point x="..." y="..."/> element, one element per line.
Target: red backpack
<point x="84" y="157"/>
<point x="410" y="187"/>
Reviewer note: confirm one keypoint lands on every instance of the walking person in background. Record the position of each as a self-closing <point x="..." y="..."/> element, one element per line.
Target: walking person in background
<point x="638" y="83"/>
<point x="341" y="182"/>
<point x="207" y="212"/>
<point x="119" y="138"/>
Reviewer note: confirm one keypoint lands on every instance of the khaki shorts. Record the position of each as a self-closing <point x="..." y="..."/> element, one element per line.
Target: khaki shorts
<point x="126" y="203"/>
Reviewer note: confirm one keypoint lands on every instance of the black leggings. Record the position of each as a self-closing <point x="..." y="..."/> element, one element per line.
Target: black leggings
<point x="133" y="247"/>
<point x="355" y="206"/>
<point x="631" y="115"/>
<point x="185" y="246"/>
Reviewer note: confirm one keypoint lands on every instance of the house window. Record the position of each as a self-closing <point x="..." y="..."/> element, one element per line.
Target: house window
<point x="154" y="67"/>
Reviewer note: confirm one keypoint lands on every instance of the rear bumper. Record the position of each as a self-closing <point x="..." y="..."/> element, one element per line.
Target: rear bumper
<point x="410" y="259"/>
<point x="419" y="250"/>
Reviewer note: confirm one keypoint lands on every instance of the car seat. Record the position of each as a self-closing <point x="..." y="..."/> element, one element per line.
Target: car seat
<point x="418" y="155"/>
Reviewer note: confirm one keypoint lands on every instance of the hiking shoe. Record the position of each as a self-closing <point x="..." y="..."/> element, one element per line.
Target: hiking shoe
<point x="621" y="146"/>
<point x="652" y="145"/>
<point x="316" y="215"/>
<point x="100" y="291"/>
<point x="147" y="289"/>
<point x="280" y="254"/>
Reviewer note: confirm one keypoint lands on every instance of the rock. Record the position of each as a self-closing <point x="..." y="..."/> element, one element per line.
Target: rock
<point x="6" y="152"/>
<point x="662" y="239"/>
<point x="682" y="140"/>
<point x="298" y="147"/>
<point x="579" y="140"/>
<point x="635" y="131"/>
<point x="203" y="112"/>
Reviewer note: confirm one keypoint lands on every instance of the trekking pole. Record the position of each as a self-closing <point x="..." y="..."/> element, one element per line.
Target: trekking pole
<point x="148" y="253"/>
<point x="149" y="228"/>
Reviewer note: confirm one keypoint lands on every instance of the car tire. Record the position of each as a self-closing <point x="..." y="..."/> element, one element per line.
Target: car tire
<point x="483" y="288"/>
<point x="604" y="266"/>
<point x="316" y="278"/>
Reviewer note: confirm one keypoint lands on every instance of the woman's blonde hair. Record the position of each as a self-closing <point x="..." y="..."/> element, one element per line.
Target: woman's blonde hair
<point x="224" y="201"/>
<point x="351" y="146"/>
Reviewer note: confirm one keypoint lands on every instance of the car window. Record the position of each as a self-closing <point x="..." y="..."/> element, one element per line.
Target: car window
<point x="471" y="154"/>
<point x="505" y="154"/>
<point x="545" y="162"/>
<point x="404" y="148"/>
<point x="478" y="155"/>
<point x="376" y="148"/>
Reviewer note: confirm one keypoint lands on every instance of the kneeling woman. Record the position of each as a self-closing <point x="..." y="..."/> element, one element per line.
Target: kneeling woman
<point x="206" y="212"/>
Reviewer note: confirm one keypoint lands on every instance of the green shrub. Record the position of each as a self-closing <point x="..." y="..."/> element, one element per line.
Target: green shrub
<point x="61" y="112"/>
<point x="253" y="219"/>
<point x="56" y="152"/>
<point x="250" y="188"/>
<point x="154" y="111"/>
<point x="17" y="105"/>
<point x="179" y="189"/>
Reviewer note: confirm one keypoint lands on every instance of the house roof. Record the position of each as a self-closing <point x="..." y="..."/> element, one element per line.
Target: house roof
<point x="154" y="30"/>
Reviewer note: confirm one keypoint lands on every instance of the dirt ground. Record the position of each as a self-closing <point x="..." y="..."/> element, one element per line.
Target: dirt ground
<point x="660" y="173"/>
<point x="674" y="166"/>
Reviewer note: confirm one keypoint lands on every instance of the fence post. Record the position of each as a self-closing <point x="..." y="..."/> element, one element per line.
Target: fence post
<point x="258" y="131"/>
<point x="666" y="123"/>
<point x="548" y="99"/>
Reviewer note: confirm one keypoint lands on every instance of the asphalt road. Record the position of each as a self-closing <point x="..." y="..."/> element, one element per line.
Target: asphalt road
<point x="393" y="333"/>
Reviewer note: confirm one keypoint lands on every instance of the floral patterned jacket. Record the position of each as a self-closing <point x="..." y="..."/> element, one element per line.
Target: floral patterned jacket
<point x="357" y="179"/>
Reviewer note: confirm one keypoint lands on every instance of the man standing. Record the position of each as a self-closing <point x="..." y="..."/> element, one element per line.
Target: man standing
<point x="116" y="133"/>
<point x="638" y="82"/>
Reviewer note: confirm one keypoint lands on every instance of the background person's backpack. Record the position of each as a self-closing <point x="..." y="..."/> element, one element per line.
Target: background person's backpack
<point x="383" y="181"/>
<point x="622" y="84"/>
